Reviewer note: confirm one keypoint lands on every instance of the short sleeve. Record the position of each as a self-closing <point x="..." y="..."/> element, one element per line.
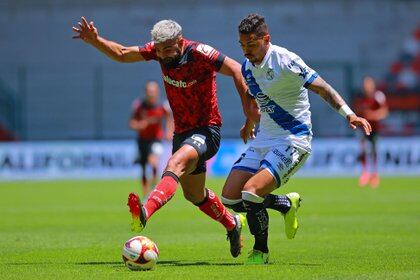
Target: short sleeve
<point x="297" y="67"/>
<point x="211" y="56"/>
<point x="148" y="51"/>
<point x="136" y="108"/>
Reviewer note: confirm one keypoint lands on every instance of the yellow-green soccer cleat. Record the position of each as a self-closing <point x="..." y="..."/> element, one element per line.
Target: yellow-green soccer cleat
<point x="256" y="257"/>
<point x="290" y="219"/>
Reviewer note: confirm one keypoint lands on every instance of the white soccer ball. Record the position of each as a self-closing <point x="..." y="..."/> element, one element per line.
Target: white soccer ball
<point x="140" y="253"/>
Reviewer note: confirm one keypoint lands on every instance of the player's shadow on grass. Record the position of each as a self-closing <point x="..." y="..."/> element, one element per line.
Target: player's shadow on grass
<point x="186" y="263"/>
<point x="300" y="264"/>
<point x="164" y="263"/>
<point x="99" y="263"/>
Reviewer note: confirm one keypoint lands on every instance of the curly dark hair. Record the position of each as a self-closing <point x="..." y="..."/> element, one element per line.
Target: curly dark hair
<point x="253" y="23"/>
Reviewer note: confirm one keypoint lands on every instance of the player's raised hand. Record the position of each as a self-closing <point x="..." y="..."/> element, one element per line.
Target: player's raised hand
<point x="85" y="31"/>
<point x="355" y="121"/>
<point x="247" y="131"/>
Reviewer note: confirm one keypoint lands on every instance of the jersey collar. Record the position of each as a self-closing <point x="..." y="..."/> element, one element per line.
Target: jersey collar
<point x="267" y="55"/>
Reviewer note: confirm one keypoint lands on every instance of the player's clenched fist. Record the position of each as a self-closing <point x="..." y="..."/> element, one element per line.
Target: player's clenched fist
<point x="85" y="31"/>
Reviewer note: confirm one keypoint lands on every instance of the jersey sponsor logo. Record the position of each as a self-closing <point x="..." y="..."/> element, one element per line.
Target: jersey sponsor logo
<point x="263" y="101"/>
<point x="287" y="161"/>
<point x="179" y="84"/>
<point x="280" y="166"/>
<point x="285" y="178"/>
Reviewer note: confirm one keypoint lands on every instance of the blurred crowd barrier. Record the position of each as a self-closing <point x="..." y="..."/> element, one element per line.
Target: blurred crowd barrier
<point x="115" y="159"/>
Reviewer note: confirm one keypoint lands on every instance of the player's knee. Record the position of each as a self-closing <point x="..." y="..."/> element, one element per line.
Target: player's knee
<point x="250" y="187"/>
<point x="176" y="165"/>
<point x="234" y="204"/>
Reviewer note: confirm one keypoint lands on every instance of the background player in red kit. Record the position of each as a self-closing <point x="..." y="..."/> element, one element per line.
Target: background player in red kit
<point x="146" y="119"/>
<point x="372" y="106"/>
<point x="189" y="73"/>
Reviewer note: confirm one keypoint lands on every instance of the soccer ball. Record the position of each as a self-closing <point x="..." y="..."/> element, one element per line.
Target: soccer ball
<point x="140" y="253"/>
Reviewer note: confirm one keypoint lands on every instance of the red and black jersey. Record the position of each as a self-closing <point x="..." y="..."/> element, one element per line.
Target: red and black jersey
<point x="191" y="85"/>
<point x="365" y="103"/>
<point x="153" y="113"/>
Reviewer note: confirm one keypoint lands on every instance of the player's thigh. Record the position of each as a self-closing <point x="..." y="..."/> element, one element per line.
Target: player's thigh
<point x="235" y="183"/>
<point x="193" y="186"/>
<point x="242" y="170"/>
<point x="183" y="161"/>
<point x="202" y="140"/>
<point x="262" y="183"/>
<point x="283" y="161"/>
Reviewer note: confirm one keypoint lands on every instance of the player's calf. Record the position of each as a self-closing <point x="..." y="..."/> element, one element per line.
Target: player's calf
<point x="257" y="218"/>
<point x="213" y="207"/>
<point x="234" y="204"/>
<point x="279" y="203"/>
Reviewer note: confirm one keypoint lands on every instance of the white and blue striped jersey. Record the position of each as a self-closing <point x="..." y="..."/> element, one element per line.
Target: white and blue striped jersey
<point x="279" y="85"/>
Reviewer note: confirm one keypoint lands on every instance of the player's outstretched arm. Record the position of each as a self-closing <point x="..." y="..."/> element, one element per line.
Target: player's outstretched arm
<point x="233" y="69"/>
<point x="332" y="97"/>
<point x="89" y="34"/>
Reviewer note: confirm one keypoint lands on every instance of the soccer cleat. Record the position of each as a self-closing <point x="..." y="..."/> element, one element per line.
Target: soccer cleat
<point x="137" y="213"/>
<point x="256" y="257"/>
<point x="234" y="235"/>
<point x="364" y="178"/>
<point x="290" y="220"/>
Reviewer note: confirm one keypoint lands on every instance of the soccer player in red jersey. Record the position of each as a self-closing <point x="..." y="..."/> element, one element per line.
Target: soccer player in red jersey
<point x="372" y="106"/>
<point x="146" y="119"/>
<point x="189" y="74"/>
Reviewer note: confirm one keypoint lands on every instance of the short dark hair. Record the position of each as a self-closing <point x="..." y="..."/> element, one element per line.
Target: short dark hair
<point x="253" y="23"/>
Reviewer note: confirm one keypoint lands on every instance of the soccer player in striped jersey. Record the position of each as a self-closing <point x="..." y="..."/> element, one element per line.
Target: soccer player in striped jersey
<point x="278" y="80"/>
<point x="189" y="74"/>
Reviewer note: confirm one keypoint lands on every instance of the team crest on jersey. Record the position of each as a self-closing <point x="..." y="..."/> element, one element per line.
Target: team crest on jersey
<point x="270" y="74"/>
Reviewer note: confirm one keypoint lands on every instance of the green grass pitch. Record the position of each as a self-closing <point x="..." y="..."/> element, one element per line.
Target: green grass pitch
<point x="76" y="229"/>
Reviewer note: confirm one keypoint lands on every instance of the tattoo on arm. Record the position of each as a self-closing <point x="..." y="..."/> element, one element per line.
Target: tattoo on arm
<point x="327" y="92"/>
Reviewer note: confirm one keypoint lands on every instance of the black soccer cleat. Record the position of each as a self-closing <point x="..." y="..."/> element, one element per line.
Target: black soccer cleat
<point x="234" y="235"/>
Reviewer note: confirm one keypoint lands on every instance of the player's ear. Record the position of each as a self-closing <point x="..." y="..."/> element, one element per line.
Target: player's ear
<point x="267" y="38"/>
<point x="180" y="41"/>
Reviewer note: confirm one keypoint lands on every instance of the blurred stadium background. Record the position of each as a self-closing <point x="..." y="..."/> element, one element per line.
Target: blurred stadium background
<point x="64" y="111"/>
<point x="54" y="88"/>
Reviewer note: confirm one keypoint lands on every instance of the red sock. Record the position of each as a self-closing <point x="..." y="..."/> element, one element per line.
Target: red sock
<point x="161" y="194"/>
<point x="217" y="211"/>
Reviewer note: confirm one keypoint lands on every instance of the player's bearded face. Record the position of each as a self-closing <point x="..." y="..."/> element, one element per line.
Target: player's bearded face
<point x="254" y="47"/>
<point x="169" y="52"/>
